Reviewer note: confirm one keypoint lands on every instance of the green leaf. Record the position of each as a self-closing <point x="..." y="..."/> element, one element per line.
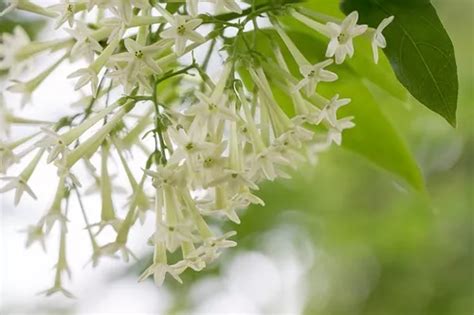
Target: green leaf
<point x="374" y="137"/>
<point x="419" y="49"/>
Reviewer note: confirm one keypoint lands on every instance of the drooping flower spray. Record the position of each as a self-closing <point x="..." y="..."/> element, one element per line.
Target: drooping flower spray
<point x="210" y="148"/>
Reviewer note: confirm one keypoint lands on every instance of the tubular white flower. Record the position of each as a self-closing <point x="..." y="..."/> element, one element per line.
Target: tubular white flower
<point x="66" y="10"/>
<point x="342" y="35"/>
<point x="10" y="46"/>
<point x="20" y="182"/>
<point x="57" y="144"/>
<point x="208" y="141"/>
<point x="181" y="30"/>
<point x="378" y="40"/>
<point x="85" y="44"/>
<point x="313" y="74"/>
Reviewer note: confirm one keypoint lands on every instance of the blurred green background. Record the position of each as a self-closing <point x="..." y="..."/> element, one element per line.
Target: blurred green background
<point x="377" y="247"/>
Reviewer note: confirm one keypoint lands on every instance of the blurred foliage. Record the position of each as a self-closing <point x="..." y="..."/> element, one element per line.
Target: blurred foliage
<point x="31" y="25"/>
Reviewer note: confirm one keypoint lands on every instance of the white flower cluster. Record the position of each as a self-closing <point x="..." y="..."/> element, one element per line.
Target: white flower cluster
<point x="210" y="150"/>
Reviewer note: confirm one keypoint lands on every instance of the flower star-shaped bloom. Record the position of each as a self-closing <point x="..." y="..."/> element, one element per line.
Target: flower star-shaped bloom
<point x="244" y="199"/>
<point x="139" y="56"/>
<point x="234" y="179"/>
<point x="229" y="211"/>
<point x="211" y="109"/>
<point x="329" y="112"/>
<point x="66" y="11"/>
<point x="295" y="137"/>
<point x="159" y="271"/>
<point x="26" y="90"/>
<point x="173" y="236"/>
<point x="35" y="233"/>
<point x="181" y="31"/>
<point x="85" y="45"/>
<point x="123" y="8"/>
<point x="189" y="143"/>
<point x="110" y="250"/>
<point x="194" y="262"/>
<point x="335" y="133"/>
<point x="313" y="74"/>
<point x="266" y="162"/>
<point x="7" y="157"/>
<point x="212" y="247"/>
<point x="378" y="40"/>
<point x="342" y="35"/>
<point x="85" y="76"/>
<point x="166" y="175"/>
<point x="135" y="65"/>
<point x="10" y="45"/>
<point x="57" y="288"/>
<point x="54" y="216"/>
<point x="19" y="185"/>
<point x="54" y="143"/>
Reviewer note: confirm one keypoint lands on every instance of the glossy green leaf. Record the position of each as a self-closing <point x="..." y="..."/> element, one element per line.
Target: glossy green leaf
<point x="419" y="49"/>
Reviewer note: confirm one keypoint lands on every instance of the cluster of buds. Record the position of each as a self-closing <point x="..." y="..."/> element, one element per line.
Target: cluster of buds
<point x="209" y="149"/>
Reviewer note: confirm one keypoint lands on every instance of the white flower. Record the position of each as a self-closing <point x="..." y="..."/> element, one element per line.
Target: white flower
<point x="211" y="109"/>
<point x="313" y="74"/>
<point x="86" y="45"/>
<point x="34" y="234"/>
<point x="234" y="179"/>
<point x="85" y="75"/>
<point x="19" y="185"/>
<point x="53" y="141"/>
<point x="192" y="261"/>
<point x="110" y="249"/>
<point x="295" y="137"/>
<point x="378" y="40"/>
<point x="54" y="215"/>
<point x="213" y="246"/>
<point x="10" y="45"/>
<point x="57" y="288"/>
<point x="137" y="64"/>
<point x="244" y="199"/>
<point x="342" y="35"/>
<point x="329" y="112"/>
<point x="159" y="271"/>
<point x="266" y="163"/>
<point x="189" y="143"/>
<point x="172" y="236"/>
<point x="166" y="175"/>
<point x="143" y="55"/>
<point x="335" y="133"/>
<point x="7" y="157"/>
<point x="181" y="31"/>
<point x="124" y="8"/>
<point x="66" y="10"/>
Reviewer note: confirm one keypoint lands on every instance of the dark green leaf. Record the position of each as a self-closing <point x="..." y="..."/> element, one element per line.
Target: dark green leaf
<point x="419" y="49"/>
